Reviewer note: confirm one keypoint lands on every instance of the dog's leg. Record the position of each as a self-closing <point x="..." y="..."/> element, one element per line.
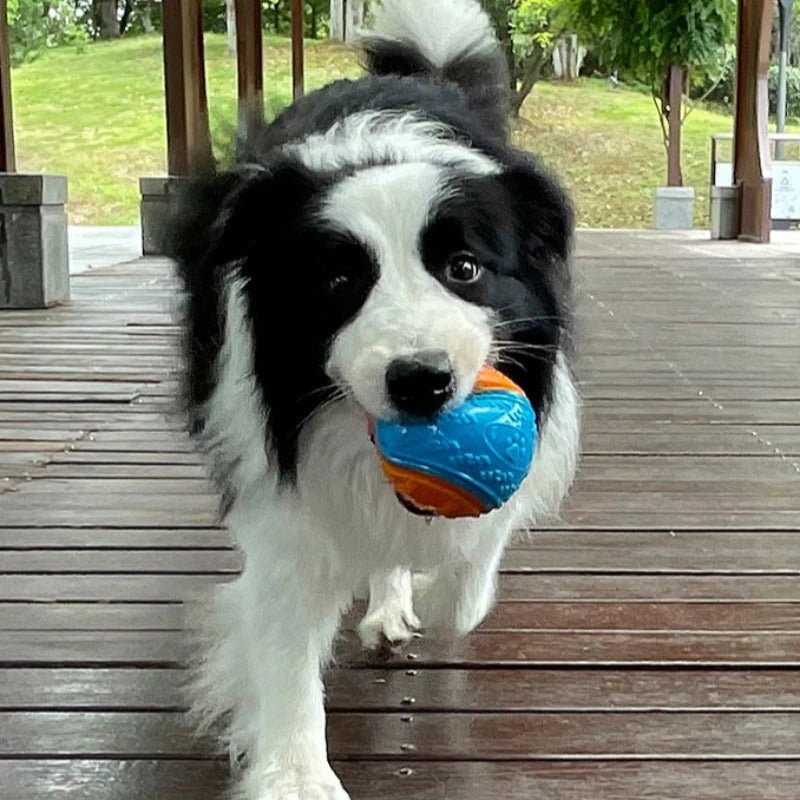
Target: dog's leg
<point x="462" y="593"/>
<point x="390" y="615"/>
<point x="274" y="633"/>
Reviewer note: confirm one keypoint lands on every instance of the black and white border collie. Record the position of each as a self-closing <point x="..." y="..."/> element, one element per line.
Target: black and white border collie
<point x="375" y="221"/>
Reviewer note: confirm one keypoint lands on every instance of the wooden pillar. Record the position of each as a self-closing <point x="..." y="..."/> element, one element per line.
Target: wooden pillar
<point x="250" y="66"/>
<point x="7" y="158"/>
<point x="188" y="132"/>
<point x="674" y="92"/>
<point x="752" y="167"/>
<point x="298" y="66"/>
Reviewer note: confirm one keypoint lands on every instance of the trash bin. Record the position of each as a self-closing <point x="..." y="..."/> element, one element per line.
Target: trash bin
<point x="724" y="212"/>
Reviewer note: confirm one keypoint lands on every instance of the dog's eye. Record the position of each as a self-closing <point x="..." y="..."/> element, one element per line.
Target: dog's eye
<point x="464" y="268"/>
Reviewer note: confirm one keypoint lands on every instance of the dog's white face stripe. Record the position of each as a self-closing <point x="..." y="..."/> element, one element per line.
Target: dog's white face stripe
<point x="376" y="137"/>
<point x="408" y="310"/>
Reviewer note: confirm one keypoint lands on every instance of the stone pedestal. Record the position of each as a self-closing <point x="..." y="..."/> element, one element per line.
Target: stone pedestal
<point x="34" y="254"/>
<point x="158" y="195"/>
<point x="674" y="208"/>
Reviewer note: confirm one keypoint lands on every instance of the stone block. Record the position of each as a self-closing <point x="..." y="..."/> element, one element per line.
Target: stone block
<point x="157" y="201"/>
<point x="674" y="208"/>
<point x="34" y="252"/>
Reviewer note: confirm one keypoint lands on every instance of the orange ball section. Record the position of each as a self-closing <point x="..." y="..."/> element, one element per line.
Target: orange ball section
<point x="431" y="493"/>
<point x="489" y="380"/>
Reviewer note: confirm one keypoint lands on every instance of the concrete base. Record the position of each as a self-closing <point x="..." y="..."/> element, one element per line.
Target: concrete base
<point x="674" y="208"/>
<point x="34" y="254"/>
<point x="157" y="196"/>
<point x="724" y="212"/>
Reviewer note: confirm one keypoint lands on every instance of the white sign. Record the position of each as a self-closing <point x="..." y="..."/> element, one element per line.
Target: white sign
<point x="786" y="190"/>
<point x="785" y="187"/>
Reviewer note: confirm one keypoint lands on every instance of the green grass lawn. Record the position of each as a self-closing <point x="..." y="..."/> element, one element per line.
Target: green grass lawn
<point x="98" y="117"/>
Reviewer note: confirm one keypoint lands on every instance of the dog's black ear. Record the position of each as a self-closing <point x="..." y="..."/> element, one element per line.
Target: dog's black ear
<point x="544" y="216"/>
<point x="220" y="219"/>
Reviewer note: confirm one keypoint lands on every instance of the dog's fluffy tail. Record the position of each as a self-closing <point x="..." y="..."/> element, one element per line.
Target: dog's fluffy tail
<point x="446" y="40"/>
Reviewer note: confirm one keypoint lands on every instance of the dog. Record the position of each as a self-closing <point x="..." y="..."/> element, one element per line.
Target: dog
<point x="376" y="223"/>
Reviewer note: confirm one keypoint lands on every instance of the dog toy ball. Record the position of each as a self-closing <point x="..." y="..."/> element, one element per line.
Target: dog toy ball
<point x="467" y="461"/>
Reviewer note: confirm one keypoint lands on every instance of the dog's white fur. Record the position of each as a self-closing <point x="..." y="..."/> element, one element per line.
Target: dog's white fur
<point x="310" y="548"/>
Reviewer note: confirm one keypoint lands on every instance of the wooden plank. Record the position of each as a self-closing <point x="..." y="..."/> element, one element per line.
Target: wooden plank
<point x="534" y="587"/>
<point x="524" y="736"/>
<point x="506" y="617"/>
<point x="91" y="588"/>
<point x="419" y="690"/>
<point x="717" y="552"/>
<point x="117" y="538"/>
<point x="500" y="650"/>
<point x="648" y="587"/>
<point x="32" y="779"/>
<point x="119" y="562"/>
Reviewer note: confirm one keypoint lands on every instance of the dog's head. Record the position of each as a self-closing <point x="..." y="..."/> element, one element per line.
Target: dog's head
<point x="388" y="283"/>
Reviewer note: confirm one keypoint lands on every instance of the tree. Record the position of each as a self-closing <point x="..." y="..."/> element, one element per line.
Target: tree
<point x="658" y="43"/>
<point x="35" y="25"/>
<point x="346" y="19"/>
<point x="109" y="22"/>
<point x="527" y="30"/>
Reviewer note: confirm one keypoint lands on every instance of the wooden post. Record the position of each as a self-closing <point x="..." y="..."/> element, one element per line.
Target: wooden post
<point x="298" y="66"/>
<point x="7" y="159"/>
<point x="250" y="63"/>
<point x="188" y="132"/>
<point x="752" y="167"/>
<point x="674" y="93"/>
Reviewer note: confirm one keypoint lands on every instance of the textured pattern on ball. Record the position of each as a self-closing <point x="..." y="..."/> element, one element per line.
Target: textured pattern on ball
<point x="469" y="460"/>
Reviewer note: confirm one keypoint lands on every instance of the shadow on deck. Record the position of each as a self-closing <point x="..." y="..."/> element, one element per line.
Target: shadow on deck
<point x="647" y="647"/>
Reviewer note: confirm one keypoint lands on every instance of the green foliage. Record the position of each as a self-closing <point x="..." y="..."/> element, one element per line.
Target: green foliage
<point x="792" y="90"/>
<point x="643" y="38"/>
<point x="532" y="25"/>
<point x="32" y="29"/>
<point x="527" y="30"/>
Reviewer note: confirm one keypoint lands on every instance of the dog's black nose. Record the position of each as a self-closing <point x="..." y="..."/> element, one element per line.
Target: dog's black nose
<point x="420" y="384"/>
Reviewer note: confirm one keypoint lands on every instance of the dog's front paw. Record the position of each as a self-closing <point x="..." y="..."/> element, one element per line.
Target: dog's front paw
<point x="390" y="616"/>
<point x="394" y="621"/>
<point x="293" y="784"/>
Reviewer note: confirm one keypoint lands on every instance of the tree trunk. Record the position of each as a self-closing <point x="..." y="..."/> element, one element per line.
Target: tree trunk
<point x="532" y="71"/>
<point x="314" y="23"/>
<point x="109" y="24"/>
<point x="126" y="16"/>
<point x="674" y="97"/>
<point x="355" y="19"/>
<point x="230" y="25"/>
<point x="147" y="16"/>
<point x="337" y="20"/>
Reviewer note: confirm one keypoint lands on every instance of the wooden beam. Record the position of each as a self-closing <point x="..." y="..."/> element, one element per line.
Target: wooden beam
<point x="188" y="132"/>
<point x="7" y="157"/>
<point x="298" y="66"/>
<point x="752" y="162"/>
<point x="250" y="66"/>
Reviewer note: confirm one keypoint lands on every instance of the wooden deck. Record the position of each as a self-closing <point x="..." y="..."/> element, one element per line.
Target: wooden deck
<point x="647" y="648"/>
